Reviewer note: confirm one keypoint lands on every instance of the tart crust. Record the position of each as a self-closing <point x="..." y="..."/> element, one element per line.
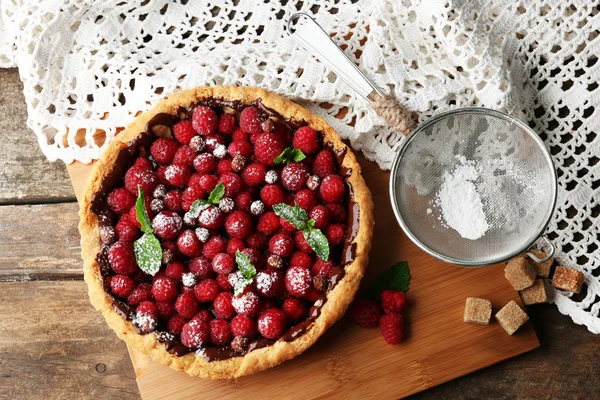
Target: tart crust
<point x="338" y="298"/>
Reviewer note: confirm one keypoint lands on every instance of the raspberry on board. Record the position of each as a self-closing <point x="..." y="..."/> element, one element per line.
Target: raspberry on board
<point x="392" y="328"/>
<point x="392" y="301"/>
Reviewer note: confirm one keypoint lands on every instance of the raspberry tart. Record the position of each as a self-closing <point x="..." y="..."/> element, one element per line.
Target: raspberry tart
<point x="224" y="231"/>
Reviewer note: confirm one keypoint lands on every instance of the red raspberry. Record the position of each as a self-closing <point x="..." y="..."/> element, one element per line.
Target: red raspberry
<point x="300" y="259"/>
<point x="366" y="312"/>
<point x="255" y="257"/>
<point x="227" y="123"/>
<point x="126" y="231"/>
<point x="184" y="156"/>
<point x="222" y="306"/>
<point x="224" y="166"/>
<point x="272" y="323"/>
<point x="254" y="174"/>
<point x="240" y="134"/>
<point x="204" y="316"/>
<point x="133" y="216"/>
<point x="257" y="241"/>
<point x="205" y="163"/>
<point x="141" y="293"/>
<point x="307" y="140"/>
<point x="220" y="333"/>
<point x="213" y="140"/>
<point x="223" y="282"/>
<point x="243" y="201"/>
<point x="208" y="182"/>
<point x="254" y="137"/>
<point x="233" y="245"/>
<point x="142" y="177"/>
<point x="191" y="194"/>
<point x="324" y="164"/>
<point x="335" y="233"/>
<point x="164" y="289"/>
<point x="265" y="304"/>
<point x="206" y="290"/>
<point x="268" y="223"/>
<point x="286" y="225"/>
<point x="233" y="184"/>
<point x="242" y="325"/>
<point x="195" y="334"/>
<point x="163" y="150"/>
<point x="213" y="246"/>
<point x="177" y="175"/>
<point x="122" y="285"/>
<point x="251" y="119"/>
<point x="320" y="214"/>
<point x="298" y="280"/>
<point x="175" y="324"/>
<point x="195" y="180"/>
<point x="294" y="175"/>
<point x="281" y="244"/>
<point x="267" y="147"/>
<point x="306" y="199"/>
<point x="246" y="304"/>
<point x="165" y="309"/>
<point x="184" y="131"/>
<point x="201" y="267"/>
<point x="223" y="263"/>
<point x="392" y="328"/>
<point x="175" y="270"/>
<point x="392" y="301"/>
<point x="239" y="225"/>
<point x="147" y="308"/>
<point x="172" y="200"/>
<point x="205" y="120"/>
<point x="312" y="294"/>
<point x="187" y="305"/>
<point x="120" y="200"/>
<point x="160" y="174"/>
<point x="301" y="242"/>
<point x="338" y="212"/>
<point x="270" y="283"/>
<point x="143" y="162"/>
<point x="122" y="258"/>
<point x="323" y="268"/>
<point x="332" y="189"/>
<point x="241" y="148"/>
<point x="271" y="195"/>
<point x="188" y="244"/>
<point x="211" y="218"/>
<point x="293" y="308"/>
<point x="167" y="225"/>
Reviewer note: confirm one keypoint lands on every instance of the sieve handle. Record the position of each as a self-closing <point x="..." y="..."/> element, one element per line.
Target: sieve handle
<point x="548" y="256"/>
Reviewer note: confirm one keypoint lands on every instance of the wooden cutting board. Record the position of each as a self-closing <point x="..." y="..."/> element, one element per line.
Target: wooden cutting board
<point x="351" y="362"/>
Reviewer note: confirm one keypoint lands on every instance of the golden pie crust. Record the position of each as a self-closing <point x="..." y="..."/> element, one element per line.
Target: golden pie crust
<point x="338" y="298"/>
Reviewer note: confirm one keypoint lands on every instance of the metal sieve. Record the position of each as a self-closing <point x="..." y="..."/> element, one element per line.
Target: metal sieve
<point x="514" y="179"/>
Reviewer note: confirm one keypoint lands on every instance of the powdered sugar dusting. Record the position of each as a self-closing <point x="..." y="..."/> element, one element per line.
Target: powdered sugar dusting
<point x="188" y="279"/>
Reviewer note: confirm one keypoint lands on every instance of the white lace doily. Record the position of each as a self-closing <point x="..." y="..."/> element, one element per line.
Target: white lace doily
<point x="91" y="66"/>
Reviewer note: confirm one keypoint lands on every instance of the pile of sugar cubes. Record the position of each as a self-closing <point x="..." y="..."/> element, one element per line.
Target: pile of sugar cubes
<point x="527" y="277"/>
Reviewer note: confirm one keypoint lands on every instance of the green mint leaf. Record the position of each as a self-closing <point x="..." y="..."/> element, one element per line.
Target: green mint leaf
<point x="397" y="278"/>
<point x="141" y="213"/>
<point x="148" y="253"/>
<point x="197" y="207"/>
<point x="294" y="215"/>
<point x="298" y="155"/>
<point x="318" y="242"/>
<point x="217" y="194"/>
<point x="244" y="265"/>
<point x="311" y="223"/>
<point x="240" y="285"/>
<point x="285" y="156"/>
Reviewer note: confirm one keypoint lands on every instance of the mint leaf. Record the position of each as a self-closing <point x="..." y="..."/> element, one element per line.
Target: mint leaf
<point x="294" y="215"/>
<point x="217" y="194"/>
<point x="148" y="253"/>
<point x="240" y="285"/>
<point x="298" y="155"/>
<point x="317" y="241"/>
<point x="397" y="278"/>
<point x="244" y="265"/>
<point x="289" y="154"/>
<point x="197" y="207"/>
<point x="141" y="214"/>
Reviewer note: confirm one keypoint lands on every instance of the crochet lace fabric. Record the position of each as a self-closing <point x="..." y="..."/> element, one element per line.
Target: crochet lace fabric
<point x="90" y="67"/>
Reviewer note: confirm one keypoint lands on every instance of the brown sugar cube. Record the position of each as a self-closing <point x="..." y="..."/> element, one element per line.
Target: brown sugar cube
<point x="542" y="269"/>
<point x="511" y="317"/>
<point x="568" y="279"/>
<point x="520" y="273"/>
<point x="535" y="294"/>
<point x="478" y="311"/>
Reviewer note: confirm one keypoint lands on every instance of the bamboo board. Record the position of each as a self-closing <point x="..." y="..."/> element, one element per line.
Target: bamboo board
<point x="351" y="362"/>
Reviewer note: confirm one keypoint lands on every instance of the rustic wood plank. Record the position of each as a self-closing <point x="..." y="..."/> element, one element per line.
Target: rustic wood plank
<point x="26" y="176"/>
<point x="39" y="242"/>
<point x="54" y="345"/>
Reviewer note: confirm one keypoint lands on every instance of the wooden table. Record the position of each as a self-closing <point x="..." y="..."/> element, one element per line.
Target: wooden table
<point x="54" y="345"/>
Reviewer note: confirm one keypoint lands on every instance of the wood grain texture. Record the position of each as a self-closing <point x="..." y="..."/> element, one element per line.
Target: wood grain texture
<point x="26" y="176"/>
<point x="53" y="345"/>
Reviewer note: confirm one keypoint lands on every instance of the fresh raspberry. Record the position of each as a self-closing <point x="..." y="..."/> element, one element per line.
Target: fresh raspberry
<point x="243" y="201"/>
<point x="332" y="189"/>
<point x="306" y="199"/>
<point x="242" y="325"/>
<point x="122" y="285"/>
<point x="254" y="137"/>
<point x="298" y="280"/>
<point x="223" y="263"/>
<point x="335" y="233"/>
<point x="234" y="245"/>
<point x="160" y="175"/>
<point x="251" y="119"/>
<point x="300" y="259"/>
<point x="271" y="195"/>
<point x="205" y="163"/>
<point x="293" y="308"/>
<point x="224" y="166"/>
<point x="133" y="216"/>
<point x="187" y="305"/>
<point x="240" y="148"/>
<point x="286" y="225"/>
<point x="143" y="162"/>
<point x="254" y="174"/>
<point x="142" y="177"/>
<point x="175" y="271"/>
<point x="122" y="258"/>
<point x="222" y="306"/>
<point x="289" y="199"/>
<point x="184" y="156"/>
<point x="233" y="184"/>
<point x="281" y="244"/>
<point x="188" y="244"/>
<point x="301" y="243"/>
<point x="322" y="268"/>
<point x="392" y="328"/>
<point x="246" y="303"/>
<point x="268" y="223"/>
<point x="265" y="304"/>
<point x="320" y="214"/>
<point x="172" y="200"/>
<point x="392" y="301"/>
<point x="184" y="131"/>
<point x="223" y="282"/>
<point x="257" y="241"/>
<point x="204" y="316"/>
<point x="213" y="141"/>
<point x="175" y="324"/>
<point x="220" y="333"/>
<point x="141" y="293"/>
<point x="272" y="323"/>
<point x="239" y="225"/>
<point x="191" y="194"/>
<point x="208" y="182"/>
<point x="366" y="312"/>
<point x="211" y="218"/>
<point x="267" y="147"/>
<point x="120" y="200"/>
<point x="205" y="120"/>
<point x="307" y="140"/>
<point x="147" y="308"/>
<point x="240" y="134"/>
<point x="164" y="289"/>
<point x="201" y="267"/>
<point x="294" y="175"/>
<point x="167" y="225"/>
<point x="256" y="257"/>
<point x="165" y="309"/>
<point x="227" y="123"/>
<point x="126" y="231"/>
<point x="270" y="283"/>
<point x="324" y="164"/>
<point x="206" y="290"/>
<point x="213" y="246"/>
<point x="195" y="334"/>
<point x="338" y="212"/>
<point x="312" y="294"/>
<point x="177" y="175"/>
<point x="194" y="180"/>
